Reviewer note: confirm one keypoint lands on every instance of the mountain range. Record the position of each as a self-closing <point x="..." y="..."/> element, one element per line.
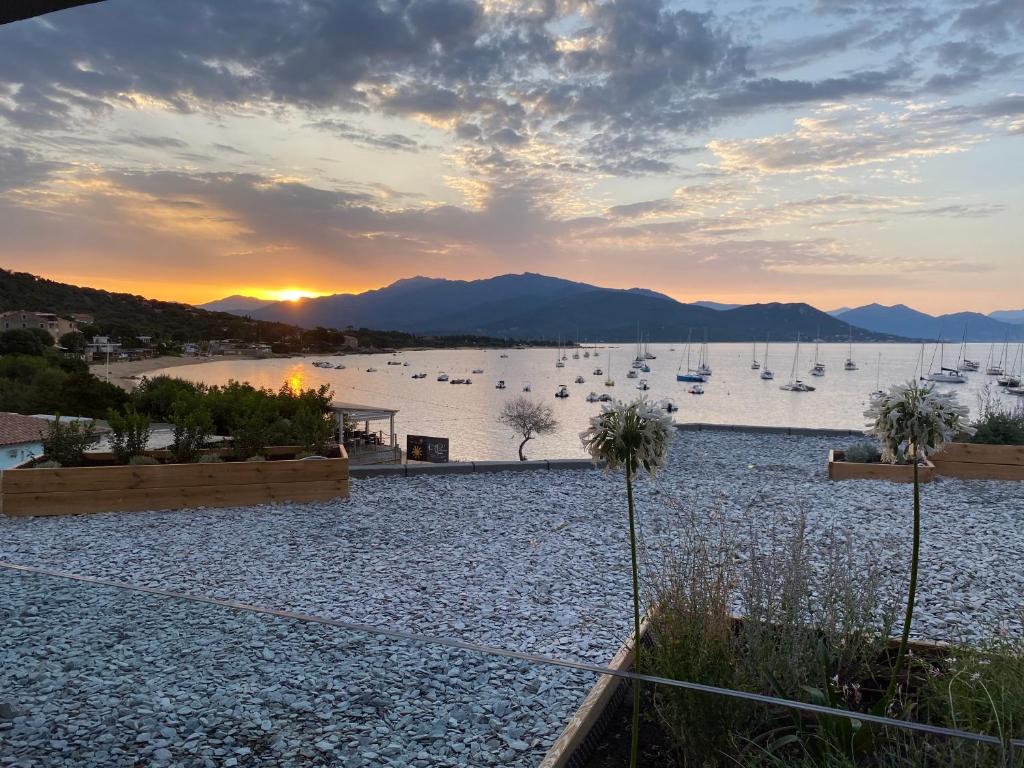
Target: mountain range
<point x="532" y="306"/>
<point x="901" y="320"/>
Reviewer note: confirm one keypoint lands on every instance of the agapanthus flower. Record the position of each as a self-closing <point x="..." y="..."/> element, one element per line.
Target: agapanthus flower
<point x="635" y="434"/>
<point x="913" y="420"/>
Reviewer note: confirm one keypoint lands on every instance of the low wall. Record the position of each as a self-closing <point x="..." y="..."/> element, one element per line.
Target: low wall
<point x="810" y="431"/>
<point x="467" y="467"/>
<point x="80" y="490"/>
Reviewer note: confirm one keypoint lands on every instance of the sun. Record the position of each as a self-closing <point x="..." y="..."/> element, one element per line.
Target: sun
<point x="287" y="294"/>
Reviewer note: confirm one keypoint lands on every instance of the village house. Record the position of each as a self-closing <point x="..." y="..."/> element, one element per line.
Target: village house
<point x="53" y="324"/>
<point x="21" y="438"/>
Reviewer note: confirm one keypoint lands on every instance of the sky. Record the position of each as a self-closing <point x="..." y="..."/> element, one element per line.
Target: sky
<point x="836" y="152"/>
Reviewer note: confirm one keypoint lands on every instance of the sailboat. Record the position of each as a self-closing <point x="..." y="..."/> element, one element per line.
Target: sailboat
<point x="704" y="368"/>
<point x="690" y="374"/>
<point x="945" y="375"/>
<point x="962" y="363"/>
<point x="850" y="365"/>
<point x="558" y="355"/>
<point x="609" y="382"/>
<point x="878" y="378"/>
<point x="754" y="365"/>
<point x="818" y="368"/>
<point x="993" y="368"/>
<point x="795" y="385"/>
<point x="766" y="372"/>
<point x="1011" y="379"/>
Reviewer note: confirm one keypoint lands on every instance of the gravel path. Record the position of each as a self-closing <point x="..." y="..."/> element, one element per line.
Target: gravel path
<point x="533" y="561"/>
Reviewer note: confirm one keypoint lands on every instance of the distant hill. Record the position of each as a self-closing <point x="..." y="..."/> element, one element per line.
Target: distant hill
<point x="901" y="320"/>
<point x="837" y="312"/>
<point x="125" y="316"/>
<point x="716" y="305"/>
<point x="532" y="306"/>
<point x="235" y="304"/>
<point x="1015" y="316"/>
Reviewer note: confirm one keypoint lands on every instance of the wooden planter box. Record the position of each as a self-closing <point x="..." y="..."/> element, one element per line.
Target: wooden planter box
<point x="978" y="461"/>
<point x="80" y="490"/>
<point x="838" y="469"/>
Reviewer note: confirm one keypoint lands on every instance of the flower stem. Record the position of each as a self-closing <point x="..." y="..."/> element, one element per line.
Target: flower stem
<point x="635" y="744"/>
<point x="912" y="591"/>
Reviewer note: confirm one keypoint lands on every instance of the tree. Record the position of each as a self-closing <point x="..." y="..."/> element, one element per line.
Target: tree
<point x="528" y="418"/>
<point x="635" y="436"/>
<point x="73" y="341"/>
<point x="911" y="422"/>
<point x="24" y="341"/>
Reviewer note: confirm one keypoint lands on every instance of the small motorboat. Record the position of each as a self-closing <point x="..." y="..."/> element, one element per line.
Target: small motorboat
<point x="633" y="374"/>
<point x="593" y="397"/>
<point x="503" y="355"/>
<point x="638" y="363"/>
<point x="322" y="364"/>
<point x="645" y="368"/>
<point x="394" y="362"/>
<point x="456" y="381"/>
<point x="579" y="380"/>
<point x="670" y="407"/>
<point x="406" y="363"/>
<point x="605" y="398"/>
<point x="598" y="372"/>
<point x="575" y="355"/>
<point x="526" y="386"/>
<point x="796" y="386"/>
<point x="478" y="370"/>
<point x="500" y="384"/>
<point x="767" y="374"/>
<point x="559" y="364"/>
<point x="468" y="381"/>
<point x="339" y="367"/>
<point x="419" y="375"/>
<point x="818" y="369"/>
<point x="563" y="391"/>
<point x="849" y="365"/>
<point x="643" y="385"/>
<point x="696" y="389"/>
<point x="371" y="370"/>
<point x="586" y="354"/>
<point x="442" y="377"/>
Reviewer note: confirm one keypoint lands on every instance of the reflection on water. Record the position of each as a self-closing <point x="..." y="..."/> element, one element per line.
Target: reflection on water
<point x="467" y="414"/>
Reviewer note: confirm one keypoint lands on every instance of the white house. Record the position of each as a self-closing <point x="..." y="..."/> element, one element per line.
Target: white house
<point x="21" y="438"/>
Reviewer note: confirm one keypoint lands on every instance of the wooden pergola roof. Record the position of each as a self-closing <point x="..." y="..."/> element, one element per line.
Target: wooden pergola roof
<point x="16" y="10"/>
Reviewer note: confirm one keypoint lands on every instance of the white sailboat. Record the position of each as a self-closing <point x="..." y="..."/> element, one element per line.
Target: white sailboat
<point x="558" y="355"/>
<point x="609" y="382"/>
<point x="766" y="372"/>
<point x="945" y="375"/>
<point x="754" y="365"/>
<point x="689" y="374"/>
<point x="850" y="364"/>
<point x="795" y="384"/>
<point x="818" y="367"/>
<point x="704" y="367"/>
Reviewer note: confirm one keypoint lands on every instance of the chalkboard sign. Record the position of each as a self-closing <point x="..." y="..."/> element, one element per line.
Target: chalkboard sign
<point x="432" y="449"/>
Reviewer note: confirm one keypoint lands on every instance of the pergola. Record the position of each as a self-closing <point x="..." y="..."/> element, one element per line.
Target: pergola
<point x="363" y="446"/>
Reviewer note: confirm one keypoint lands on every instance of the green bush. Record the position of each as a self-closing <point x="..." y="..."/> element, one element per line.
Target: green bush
<point x="314" y="429"/>
<point x="129" y="434"/>
<point x="156" y="397"/>
<point x="863" y="453"/>
<point x="142" y="461"/>
<point x="998" y="424"/>
<point x="209" y="458"/>
<point x="254" y="431"/>
<point x="192" y="428"/>
<point x="24" y="341"/>
<point x="65" y="442"/>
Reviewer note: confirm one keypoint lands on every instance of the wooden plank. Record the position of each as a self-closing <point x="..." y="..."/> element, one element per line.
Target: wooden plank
<point x="141" y="499"/>
<point x="89" y="479"/>
<point x="981" y="453"/>
<point x="969" y="470"/>
<point x="893" y="473"/>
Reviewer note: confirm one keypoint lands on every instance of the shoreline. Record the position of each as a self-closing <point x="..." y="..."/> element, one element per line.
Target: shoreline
<point x="128" y="373"/>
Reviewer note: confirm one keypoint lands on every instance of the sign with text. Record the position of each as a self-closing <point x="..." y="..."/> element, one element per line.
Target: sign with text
<point x="421" y="448"/>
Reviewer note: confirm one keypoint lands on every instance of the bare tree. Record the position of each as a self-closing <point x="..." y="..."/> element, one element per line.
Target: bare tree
<point x="528" y="418"/>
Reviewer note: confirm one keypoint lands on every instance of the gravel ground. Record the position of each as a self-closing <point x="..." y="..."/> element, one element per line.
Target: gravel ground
<point x="105" y="677"/>
<point x="537" y="561"/>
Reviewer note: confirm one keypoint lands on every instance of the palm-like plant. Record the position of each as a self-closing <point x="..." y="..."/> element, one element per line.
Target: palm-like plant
<point x="912" y="421"/>
<point x="634" y="436"/>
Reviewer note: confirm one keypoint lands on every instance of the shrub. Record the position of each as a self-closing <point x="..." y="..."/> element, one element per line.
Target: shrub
<point x="142" y="461"/>
<point x="998" y="424"/>
<point x="313" y="429"/>
<point x="156" y="397"/>
<point x="192" y="427"/>
<point x="129" y="434"/>
<point x="209" y="458"/>
<point x="863" y="453"/>
<point x="254" y="431"/>
<point x="65" y="443"/>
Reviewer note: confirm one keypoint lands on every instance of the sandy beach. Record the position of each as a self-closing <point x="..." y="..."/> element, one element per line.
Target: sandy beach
<point x="127" y="373"/>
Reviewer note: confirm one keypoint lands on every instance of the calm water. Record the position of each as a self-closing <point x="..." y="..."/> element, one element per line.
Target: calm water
<point x="467" y="414"/>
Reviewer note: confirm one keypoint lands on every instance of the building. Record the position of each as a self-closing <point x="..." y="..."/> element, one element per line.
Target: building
<point x="21" y="438"/>
<point x="102" y="345"/>
<point x="351" y="342"/>
<point x="53" y="324"/>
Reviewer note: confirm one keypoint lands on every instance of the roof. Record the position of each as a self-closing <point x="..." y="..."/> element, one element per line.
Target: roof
<point x="15" y="10"/>
<point x="16" y="429"/>
<point x="358" y="412"/>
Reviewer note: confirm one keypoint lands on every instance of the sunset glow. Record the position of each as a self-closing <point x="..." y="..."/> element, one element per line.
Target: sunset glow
<point x="739" y="151"/>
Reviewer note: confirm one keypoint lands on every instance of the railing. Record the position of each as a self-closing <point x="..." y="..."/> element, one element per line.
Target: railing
<point x="115" y="593"/>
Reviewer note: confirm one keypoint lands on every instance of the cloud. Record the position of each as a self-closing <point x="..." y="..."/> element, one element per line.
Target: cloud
<point x="20" y="169"/>
<point x="350" y="132"/>
<point x="998" y="19"/>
